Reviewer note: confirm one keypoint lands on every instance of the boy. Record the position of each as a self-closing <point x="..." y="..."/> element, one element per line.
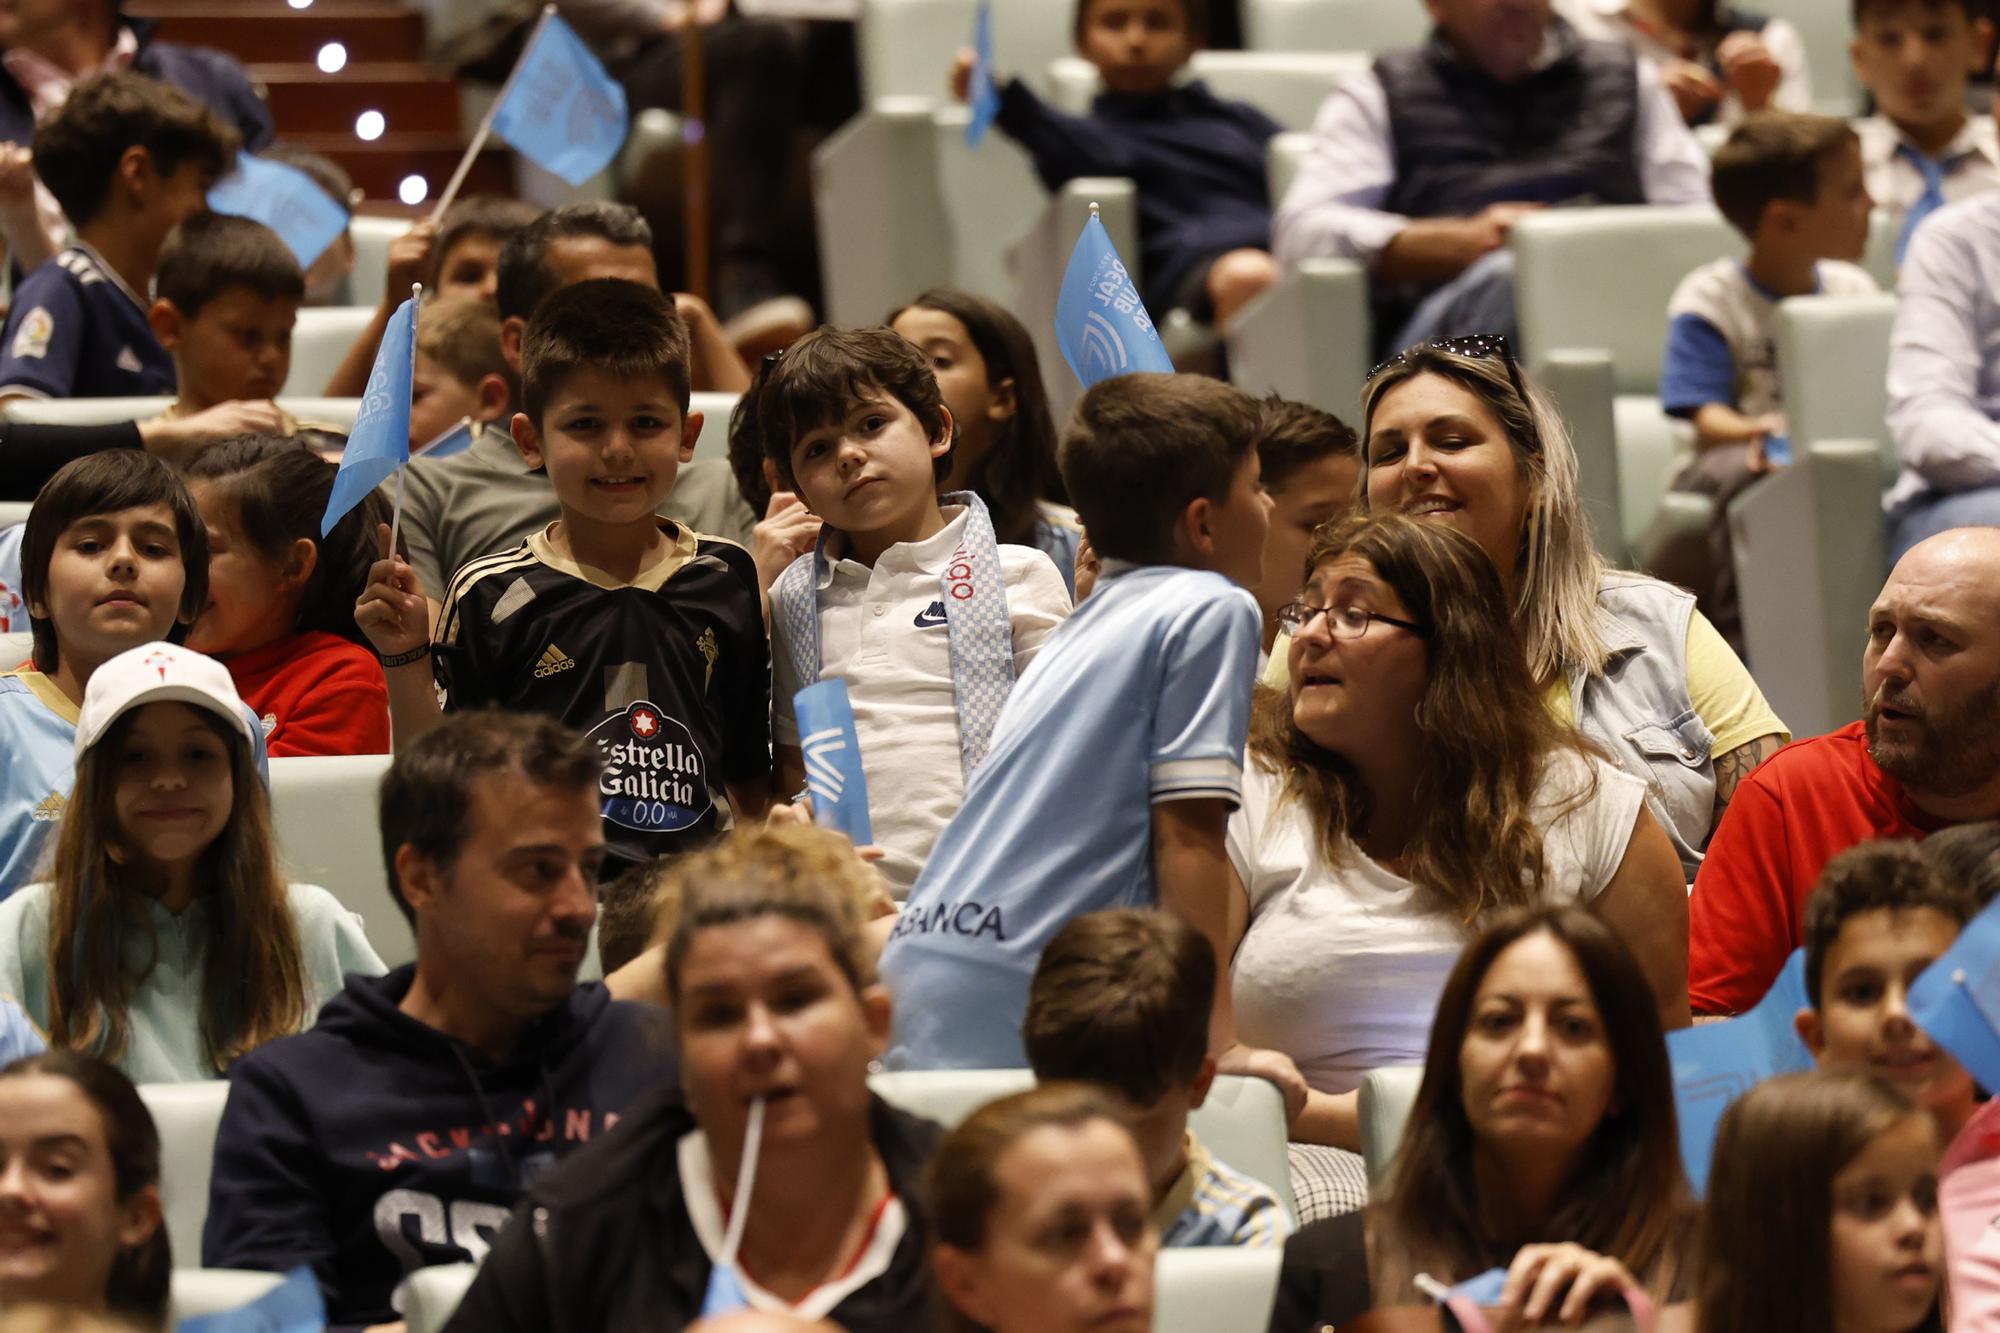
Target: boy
<point x="128" y="159"/>
<point x="1792" y="184"/>
<point x="1198" y="161"/>
<point x="1121" y="999"/>
<point x="1921" y="149"/>
<point x="1311" y="461"/>
<point x="913" y="603"/>
<point x="1119" y="754"/>
<point x="637" y="632"/>
<point x="226" y="298"/>
<point x="459" y="370"/>
<point x="114" y="555"/>
<point x="470" y="237"/>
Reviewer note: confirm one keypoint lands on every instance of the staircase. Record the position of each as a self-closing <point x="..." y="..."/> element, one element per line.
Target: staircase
<point x="379" y="67"/>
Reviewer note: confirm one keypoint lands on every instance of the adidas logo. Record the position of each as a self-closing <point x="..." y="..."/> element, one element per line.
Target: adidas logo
<point x="51" y="808"/>
<point x="553" y="660"/>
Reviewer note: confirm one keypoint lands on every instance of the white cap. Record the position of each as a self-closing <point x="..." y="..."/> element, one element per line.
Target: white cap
<point x="157" y="673"/>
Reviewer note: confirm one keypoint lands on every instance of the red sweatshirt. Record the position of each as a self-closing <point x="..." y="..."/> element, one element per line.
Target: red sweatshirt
<point x="318" y="694"/>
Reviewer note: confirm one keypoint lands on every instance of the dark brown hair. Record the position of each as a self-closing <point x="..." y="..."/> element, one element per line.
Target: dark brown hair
<point x="1968" y="856"/>
<point x="1765" y="1254"/>
<point x="463" y="338"/>
<point x="77" y="149"/>
<point x="1486" y="736"/>
<point x="621" y="329"/>
<point x="524" y="279"/>
<point x="1194" y="12"/>
<point x="1291" y="435"/>
<point x="1122" y="999"/>
<point x="478" y="215"/>
<point x="1141" y="448"/>
<point x="1890" y="875"/>
<point x="823" y="375"/>
<point x="212" y="252"/>
<point x="1626" y="1198"/>
<point x="1773" y="155"/>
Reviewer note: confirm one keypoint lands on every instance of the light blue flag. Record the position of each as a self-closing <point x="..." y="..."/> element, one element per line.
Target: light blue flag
<point x="453" y="441"/>
<point x="1101" y="323"/>
<point x="1957" y="999"/>
<point x="293" y="1306"/>
<point x="284" y="199"/>
<point x="380" y="440"/>
<point x="983" y="96"/>
<point x="1716" y="1063"/>
<point x="560" y="108"/>
<point x="725" y="1294"/>
<point x="833" y="760"/>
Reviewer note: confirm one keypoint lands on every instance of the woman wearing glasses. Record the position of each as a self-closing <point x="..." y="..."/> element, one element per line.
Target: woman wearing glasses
<point x="1408" y="783"/>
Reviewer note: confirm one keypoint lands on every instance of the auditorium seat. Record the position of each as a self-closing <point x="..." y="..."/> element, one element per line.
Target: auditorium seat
<point x="324" y="820"/>
<point x="372" y="238"/>
<point x="1387" y="1095"/>
<point x="320" y="342"/>
<point x="428" y="1296"/>
<point x="1369" y="26"/>
<point x="906" y="47"/>
<point x="1287" y="86"/>
<point x="14" y="511"/>
<point x="337" y="412"/>
<point x="194" y="1292"/>
<point x="187" y="1115"/>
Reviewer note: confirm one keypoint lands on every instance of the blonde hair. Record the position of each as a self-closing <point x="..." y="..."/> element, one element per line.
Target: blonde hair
<point x="1557" y="568"/>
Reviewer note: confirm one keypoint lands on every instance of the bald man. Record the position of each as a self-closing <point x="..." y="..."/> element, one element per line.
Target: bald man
<point x="1925" y="755"/>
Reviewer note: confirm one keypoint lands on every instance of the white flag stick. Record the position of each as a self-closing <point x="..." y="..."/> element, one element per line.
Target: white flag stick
<point x="485" y="130"/>
<point x="746" y="1178"/>
<point x="396" y="509"/>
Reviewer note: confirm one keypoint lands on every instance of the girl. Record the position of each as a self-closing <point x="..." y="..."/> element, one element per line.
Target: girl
<point x="1822" y="1211"/>
<point x="280" y="609"/>
<point x="1542" y="1141"/>
<point x="774" y="1001"/>
<point x="168" y="943"/>
<point x="80" y="1220"/>
<point x="1041" y="1204"/>
<point x="1005" y="445"/>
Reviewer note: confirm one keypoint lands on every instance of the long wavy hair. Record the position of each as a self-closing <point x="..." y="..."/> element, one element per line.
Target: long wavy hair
<point x="1557" y="568"/>
<point x="1486" y="737"/>
<point x="1627" y="1196"/>
<point x="253" y="985"/>
<point x="1766" y="1261"/>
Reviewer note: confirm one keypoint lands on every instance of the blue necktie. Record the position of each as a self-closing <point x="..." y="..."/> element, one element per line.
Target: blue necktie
<point x="1929" y="202"/>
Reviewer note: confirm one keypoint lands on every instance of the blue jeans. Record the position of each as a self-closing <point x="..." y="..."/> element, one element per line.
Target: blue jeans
<point x="1479" y="300"/>
<point x="1928" y="513"/>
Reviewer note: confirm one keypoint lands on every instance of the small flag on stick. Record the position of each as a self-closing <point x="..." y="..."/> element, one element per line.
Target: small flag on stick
<point x="284" y="199"/>
<point x="1101" y="324"/>
<point x="379" y="444"/>
<point x="983" y="96"/>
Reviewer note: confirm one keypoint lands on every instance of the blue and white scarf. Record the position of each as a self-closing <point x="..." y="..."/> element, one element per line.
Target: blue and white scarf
<point x="976" y="617"/>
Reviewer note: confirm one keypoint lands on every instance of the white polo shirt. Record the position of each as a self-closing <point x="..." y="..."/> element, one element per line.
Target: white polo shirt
<point x="883" y="631"/>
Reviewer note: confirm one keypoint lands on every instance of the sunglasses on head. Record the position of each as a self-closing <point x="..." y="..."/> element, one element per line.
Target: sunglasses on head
<point x="1473" y="347"/>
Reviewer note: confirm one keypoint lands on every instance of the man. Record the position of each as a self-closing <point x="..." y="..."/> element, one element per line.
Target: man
<point x="1420" y="166"/>
<point x="400" y="1130"/>
<point x="1927" y="754"/>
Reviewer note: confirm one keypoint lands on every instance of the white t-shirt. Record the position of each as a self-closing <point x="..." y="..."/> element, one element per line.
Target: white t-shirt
<point x="883" y="631"/>
<point x="1722" y="328"/>
<point x="1341" y="966"/>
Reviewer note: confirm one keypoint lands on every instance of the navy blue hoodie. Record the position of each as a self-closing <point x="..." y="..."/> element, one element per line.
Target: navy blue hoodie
<point x="374" y="1144"/>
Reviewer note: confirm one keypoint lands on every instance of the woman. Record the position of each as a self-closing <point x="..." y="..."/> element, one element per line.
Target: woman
<point x="776" y="1008"/>
<point x="1040" y="1202"/>
<point x="1408" y="784"/>
<point x="1450" y="433"/>
<point x="1542" y="1141"/>
<point x="80" y="1220"/>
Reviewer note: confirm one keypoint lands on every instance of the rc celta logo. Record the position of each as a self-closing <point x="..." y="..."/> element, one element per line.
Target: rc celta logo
<point x="654" y="778"/>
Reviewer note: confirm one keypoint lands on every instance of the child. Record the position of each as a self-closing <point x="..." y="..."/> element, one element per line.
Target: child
<point x="111" y="1252"/>
<point x="1921" y="150"/>
<point x="280" y="610"/>
<point x="459" y="370"/>
<point x="114" y="555"/>
<point x="128" y="159"/>
<point x="1792" y="184"/>
<point x="1718" y="61"/>
<point x="1003" y="444"/>
<point x="168" y="943"/>
<point x="1311" y="462"/>
<point x="854" y="422"/>
<point x="326" y="280"/>
<point x="226" y="298"/>
<point x="1198" y="161"/>
<point x="470" y="237"/>
<point x="635" y="630"/>
<point x="1121" y="999"/>
<point x="1822" y="1211"/>
<point x="1120" y="752"/>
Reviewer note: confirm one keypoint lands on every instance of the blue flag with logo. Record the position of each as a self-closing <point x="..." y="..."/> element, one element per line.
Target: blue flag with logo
<point x="560" y="108"/>
<point x="284" y="199"/>
<point x="380" y="440"/>
<point x="1957" y="999"/>
<point x="1716" y="1063"/>
<point x="833" y="760"/>
<point x="983" y="96"/>
<point x="1101" y="323"/>
<point x="293" y="1306"/>
<point x="455" y="440"/>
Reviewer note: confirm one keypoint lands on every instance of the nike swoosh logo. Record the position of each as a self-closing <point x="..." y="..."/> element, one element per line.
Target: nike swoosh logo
<point x="931" y="616"/>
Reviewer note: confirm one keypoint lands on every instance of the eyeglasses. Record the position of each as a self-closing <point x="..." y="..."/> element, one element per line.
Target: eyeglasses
<point x="1343" y="622"/>
<point x="1474" y="347"/>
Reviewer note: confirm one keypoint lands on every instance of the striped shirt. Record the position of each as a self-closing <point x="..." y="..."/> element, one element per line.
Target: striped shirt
<point x="1211" y="1203"/>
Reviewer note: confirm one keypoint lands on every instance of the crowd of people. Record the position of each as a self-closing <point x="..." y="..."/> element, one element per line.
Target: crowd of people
<point x="1202" y="735"/>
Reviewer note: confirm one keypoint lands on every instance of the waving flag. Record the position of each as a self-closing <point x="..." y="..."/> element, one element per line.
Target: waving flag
<point x="284" y="199"/>
<point x="1101" y="324"/>
<point x="380" y="441"/>
<point x="983" y="96"/>
<point x="1716" y="1063"/>
<point x="559" y="106"/>
<point x="833" y="760"/>
<point x="1957" y="999"/>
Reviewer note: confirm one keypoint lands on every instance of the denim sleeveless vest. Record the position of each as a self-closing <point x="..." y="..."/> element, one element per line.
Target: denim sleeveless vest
<point x="1639" y="709"/>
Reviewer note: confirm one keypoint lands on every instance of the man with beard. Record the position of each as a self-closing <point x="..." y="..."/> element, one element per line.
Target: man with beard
<point x="1927" y="755"/>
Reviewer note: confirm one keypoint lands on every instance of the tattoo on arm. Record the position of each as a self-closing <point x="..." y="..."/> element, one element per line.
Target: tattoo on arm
<point x="1731" y="768"/>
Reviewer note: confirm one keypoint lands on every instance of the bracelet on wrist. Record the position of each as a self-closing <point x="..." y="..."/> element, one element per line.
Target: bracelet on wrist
<point x="416" y="654"/>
